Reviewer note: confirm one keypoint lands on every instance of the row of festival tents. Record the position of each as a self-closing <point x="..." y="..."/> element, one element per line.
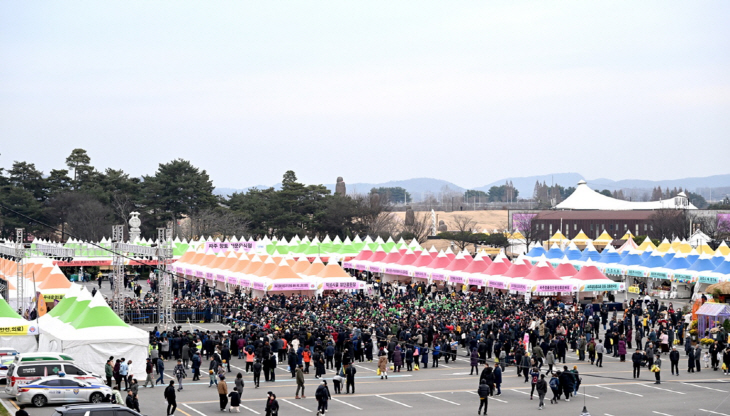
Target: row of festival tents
<point x="645" y="261"/>
<point x="415" y="264"/>
<point x="100" y="253"/>
<point x="39" y="275"/>
<point x="263" y="273"/>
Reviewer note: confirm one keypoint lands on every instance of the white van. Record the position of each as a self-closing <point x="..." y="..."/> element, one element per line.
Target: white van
<point x="28" y="367"/>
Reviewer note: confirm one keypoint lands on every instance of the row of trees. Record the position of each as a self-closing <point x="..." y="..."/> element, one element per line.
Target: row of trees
<point x="84" y="202"/>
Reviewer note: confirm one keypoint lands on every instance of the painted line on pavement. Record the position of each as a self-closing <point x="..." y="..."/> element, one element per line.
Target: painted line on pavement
<point x="660" y="413"/>
<point x="490" y="397"/>
<point x="588" y="395"/>
<point x="194" y="410"/>
<point x="391" y="400"/>
<point x="620" y="391"/>
<point x="250" y="410"/>
<point x="703" y="387"/>
<point x="365" y="368"/>
<point x="296" y="405"/>
<point x="520" y="391"/>
<point x="714" y="413"/>
<point x="443" y="400"/>
<point x="351" y="405"/>
<point x="659" y="388"/>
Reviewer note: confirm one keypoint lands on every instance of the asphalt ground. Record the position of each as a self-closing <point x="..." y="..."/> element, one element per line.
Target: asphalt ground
<point x="450" y="389"/>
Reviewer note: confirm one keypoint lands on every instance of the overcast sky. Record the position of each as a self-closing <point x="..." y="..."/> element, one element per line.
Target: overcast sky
<point x="468" y="92"/>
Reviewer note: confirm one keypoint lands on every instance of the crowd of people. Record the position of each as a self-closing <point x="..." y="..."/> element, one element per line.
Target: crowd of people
<point x="414" y="326"/>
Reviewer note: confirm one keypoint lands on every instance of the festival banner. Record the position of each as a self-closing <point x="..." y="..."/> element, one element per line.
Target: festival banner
<point x="231" y="280"/>
<point x="347" y="265"/>
<point x="188" y="272"/>
<point x="497" y="284"/>
<point x="420" y="274"/>
<point x="520" y="287"/>
<point x="682" y="277"/>
<point x="209" y="276"/>
<point x="340" y="285"/>
<point x="438" y="276"/>
<point x="259" y="285"/>
<point x="601" y="287"/>
<point x="220" y="278"/>
<point x="456" y="279"/>
<point x="85" y="263"/>
<point x="198" y="273"/>
<point x="635" y="273"/>
<point x="547" y="287"/>
<point x="375" y="269"/>
<point x="245" y="283"/>
<point x="476" y="281"/>
<point x="276" y="287"/>
<point x="396" y="271"/>
<point x="614" y="271"/>
<point x="14" y="330"/>
<point x="709" y="279"/>
<point x="49" y="298"/>
<point x="658" y="275"/>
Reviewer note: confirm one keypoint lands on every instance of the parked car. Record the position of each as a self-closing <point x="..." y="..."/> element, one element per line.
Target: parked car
<point x="60" y="389"/>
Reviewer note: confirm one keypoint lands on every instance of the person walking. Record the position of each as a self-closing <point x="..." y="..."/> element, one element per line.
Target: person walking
<point x="350" y="379"/>
<point x="383" y="365"/>
<point x="550" y="361"/>
<point x="600" y="350"/>
<point x="674" y="361"/>
<point x="483" y="392"/>
<point x="272" y="406"/>
<point x="223" y="393"/>
<point x="300" y="382"/>
<point x="160" y="371"/>
<point x="195" y="366"/>
<point x="235" y="398"/>
<point x="555" y="387"/>
<point x="534" y="378"/>
<point x="238" y="383"/>
<point x="170" y="397"/>
<point x="657" y="369"/>
<point x="497" y="374"/>
<point x="541" y="391"/>
<point x="690" y="359"/>
<point x="566" y="382"/>
<point x="179" y="372"/>
<point x="322" y="395"/>
<point x="474" y="361"/>
<point x="148" y="370"/>
<point x="636" y="359"/>
<point x="256" y="372"/>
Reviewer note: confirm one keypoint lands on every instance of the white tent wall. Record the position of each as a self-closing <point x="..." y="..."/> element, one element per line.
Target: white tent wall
<point x="91" y="351"/>
<point x="21" y="343"/>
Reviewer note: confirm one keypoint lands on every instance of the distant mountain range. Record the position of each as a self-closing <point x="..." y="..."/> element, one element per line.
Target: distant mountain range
<point x="717" y="185"/>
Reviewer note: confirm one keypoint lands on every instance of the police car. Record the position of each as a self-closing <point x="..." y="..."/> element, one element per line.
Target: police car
<point x="60" y="389"/>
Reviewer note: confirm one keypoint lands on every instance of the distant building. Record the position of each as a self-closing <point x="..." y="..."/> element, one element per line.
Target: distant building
<point x="585" y="198"/>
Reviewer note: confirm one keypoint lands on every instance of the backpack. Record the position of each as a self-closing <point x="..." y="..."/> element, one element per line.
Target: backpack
<point x="554" y="383"/>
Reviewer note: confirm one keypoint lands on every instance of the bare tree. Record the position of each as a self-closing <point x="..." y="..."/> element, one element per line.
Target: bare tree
<point x="216" y="222"/>
<point x="463" y="228"/>
<point x="529" y="228"/>
<point x="669" y="223"/>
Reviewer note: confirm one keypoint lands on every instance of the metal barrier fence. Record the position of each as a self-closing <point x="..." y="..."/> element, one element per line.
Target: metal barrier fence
<point x="152" y="315"/>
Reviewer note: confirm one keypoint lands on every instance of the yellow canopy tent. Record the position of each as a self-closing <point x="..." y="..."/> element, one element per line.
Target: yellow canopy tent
<point x="647" y="244"/>
<point x="558" y="238"/>
<point x="628" y="236"/>
<point x="603" y="240"/>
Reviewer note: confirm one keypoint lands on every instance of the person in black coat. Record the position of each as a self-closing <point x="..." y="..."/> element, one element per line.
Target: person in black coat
<point x="272" y="406"/>
<point x="322" y="395"/>
<point x="674" y="360"/>
<point x="170" y="396"/>
<point x="350" y="379"/>
<point x="636" y="359"/>
<point x="257" y="372"/>
<point x="566" y="382"/>
<point x="483" y="393"/>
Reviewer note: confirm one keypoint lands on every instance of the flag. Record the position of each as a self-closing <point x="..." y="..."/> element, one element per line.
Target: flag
<point x="41" y="304"/>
